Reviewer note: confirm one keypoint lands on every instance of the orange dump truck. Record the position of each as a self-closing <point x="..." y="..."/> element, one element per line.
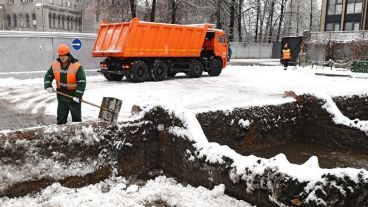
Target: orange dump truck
<point x="143" y="51"/>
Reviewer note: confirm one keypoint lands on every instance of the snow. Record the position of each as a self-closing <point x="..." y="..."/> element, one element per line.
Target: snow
<point x="237" y="86"/>
<point x="120" y="192"/>
<point x="244" y="123"/>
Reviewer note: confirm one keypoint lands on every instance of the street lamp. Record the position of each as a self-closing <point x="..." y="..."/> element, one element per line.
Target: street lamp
<point x="38" y="5"/>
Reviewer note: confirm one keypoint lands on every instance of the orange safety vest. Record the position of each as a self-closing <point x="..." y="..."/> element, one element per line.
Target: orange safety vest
<point x="71" y="83"/>
<point x="286" y="54"/>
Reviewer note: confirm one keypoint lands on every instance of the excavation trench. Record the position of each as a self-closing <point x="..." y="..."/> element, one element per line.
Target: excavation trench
<point x="79" y="154"/>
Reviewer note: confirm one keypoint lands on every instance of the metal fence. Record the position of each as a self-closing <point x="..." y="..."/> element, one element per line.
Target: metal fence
<point x="323" y="37"/>
<point x="35" y="51"/>
<point x="252" y="50"/>
<point x="337" y="46"/>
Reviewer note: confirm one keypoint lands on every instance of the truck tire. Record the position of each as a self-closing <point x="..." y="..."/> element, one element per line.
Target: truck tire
<point x="215" y="68"/>
<point x="113" y="77"/>
<point x="159" y="71"/>
<point x="196" y="69"/>
<point x="139" y="71"/>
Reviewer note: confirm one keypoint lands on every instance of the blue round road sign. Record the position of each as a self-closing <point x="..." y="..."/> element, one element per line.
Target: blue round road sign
<point x="76" y="44"/>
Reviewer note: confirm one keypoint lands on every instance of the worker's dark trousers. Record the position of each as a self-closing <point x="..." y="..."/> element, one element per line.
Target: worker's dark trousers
<point x="286" y="63"/>
<point x="63" y="111"/>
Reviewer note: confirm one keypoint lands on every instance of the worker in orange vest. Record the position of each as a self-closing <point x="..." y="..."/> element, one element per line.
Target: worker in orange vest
<point x="70" y="79"/>
<point x="286" y="56"/>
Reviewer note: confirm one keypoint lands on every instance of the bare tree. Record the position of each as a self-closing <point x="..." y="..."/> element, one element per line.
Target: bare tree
<point x="271" y="20"/>
<point x="258" y="14"/>
<point x="232" y="20"/>
<point x="240" y="12"/>
<point x="311" y="15"/>
<point x="263" y="15"/>
<point x="218" y="14"/>
<point x="133" y="8"/>
<point x="282" y="13"/>
<point x="153" y="10"/>
<point x="174" y="4"/>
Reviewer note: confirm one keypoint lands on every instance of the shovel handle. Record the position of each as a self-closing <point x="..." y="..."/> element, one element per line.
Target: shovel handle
<point x="87" y="102"/>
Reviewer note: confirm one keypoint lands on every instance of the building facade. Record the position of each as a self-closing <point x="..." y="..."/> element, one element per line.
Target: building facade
<point x="2" y="15"/>
<point x="344" y="15"/>
<point x="41" y="15"/>
<point x="90" y="16"/>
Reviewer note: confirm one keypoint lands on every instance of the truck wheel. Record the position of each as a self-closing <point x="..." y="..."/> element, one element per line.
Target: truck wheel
<point x="113" y="77"/>
<point x="107" y="76"/>
<point x="159" y="71"/>
<point x="196" y="69"/>
<point x="215" y="68"/>
<point x="139" y="71"/>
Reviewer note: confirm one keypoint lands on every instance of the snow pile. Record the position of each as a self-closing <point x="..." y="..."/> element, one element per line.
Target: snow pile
<point x="244" y="123"/>
<point x="247" y="168"/>
<point x="339" y="118"/>
<point x="118" y="191"/>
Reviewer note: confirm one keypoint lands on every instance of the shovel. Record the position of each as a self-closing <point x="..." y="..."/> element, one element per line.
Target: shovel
<point x="109" y="109"/>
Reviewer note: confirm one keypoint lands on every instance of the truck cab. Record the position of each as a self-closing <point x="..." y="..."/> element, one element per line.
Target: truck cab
<point x="215" y="51"/>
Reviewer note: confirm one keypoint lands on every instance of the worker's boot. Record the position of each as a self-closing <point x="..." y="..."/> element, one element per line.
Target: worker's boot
<point x="285" y="68"/>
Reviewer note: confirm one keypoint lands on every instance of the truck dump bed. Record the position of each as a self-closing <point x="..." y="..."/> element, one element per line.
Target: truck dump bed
<point x="148" y="39"/>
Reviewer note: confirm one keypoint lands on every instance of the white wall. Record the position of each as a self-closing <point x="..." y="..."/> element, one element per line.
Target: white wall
<point x="251" y="50"/>
<point x="35" y="51"/>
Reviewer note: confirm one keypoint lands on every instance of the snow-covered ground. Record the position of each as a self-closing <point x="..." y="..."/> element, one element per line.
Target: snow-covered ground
<point x="237" y="86"/>
<point x="161" y="191"/>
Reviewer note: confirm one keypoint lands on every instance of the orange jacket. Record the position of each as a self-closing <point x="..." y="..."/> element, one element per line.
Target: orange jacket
<point x="286" y="54"/>
<point x="71" y="83"/>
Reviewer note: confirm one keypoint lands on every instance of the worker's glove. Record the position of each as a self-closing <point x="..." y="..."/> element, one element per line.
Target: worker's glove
<point x="50" y="90"/>
<point x="75" y="99"/>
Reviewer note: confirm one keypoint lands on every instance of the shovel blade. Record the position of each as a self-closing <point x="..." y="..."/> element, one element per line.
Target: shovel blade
<point x="114" y="106"/>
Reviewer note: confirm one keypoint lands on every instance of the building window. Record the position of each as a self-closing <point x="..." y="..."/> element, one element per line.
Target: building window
<point x="10" y="1"/>
<point x="8" y="18"/>
<point x="53" y="20"/>
<point x="27" y="1"/>
<point x="334" y="7"/>
<point x="59" y="21"/>
<point x="34" y="22"/>
<point x="50" y="20"/>
<point x="333" y="26"/>
<point x="352" y="26"/>
<point x="67" y="22"/>
<point x="63" y="22"/>
<point x="72" y="23"/>
<point x="28" y="22"/>
<point x="15" y="20"/>
<point x="354" y="6"/>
